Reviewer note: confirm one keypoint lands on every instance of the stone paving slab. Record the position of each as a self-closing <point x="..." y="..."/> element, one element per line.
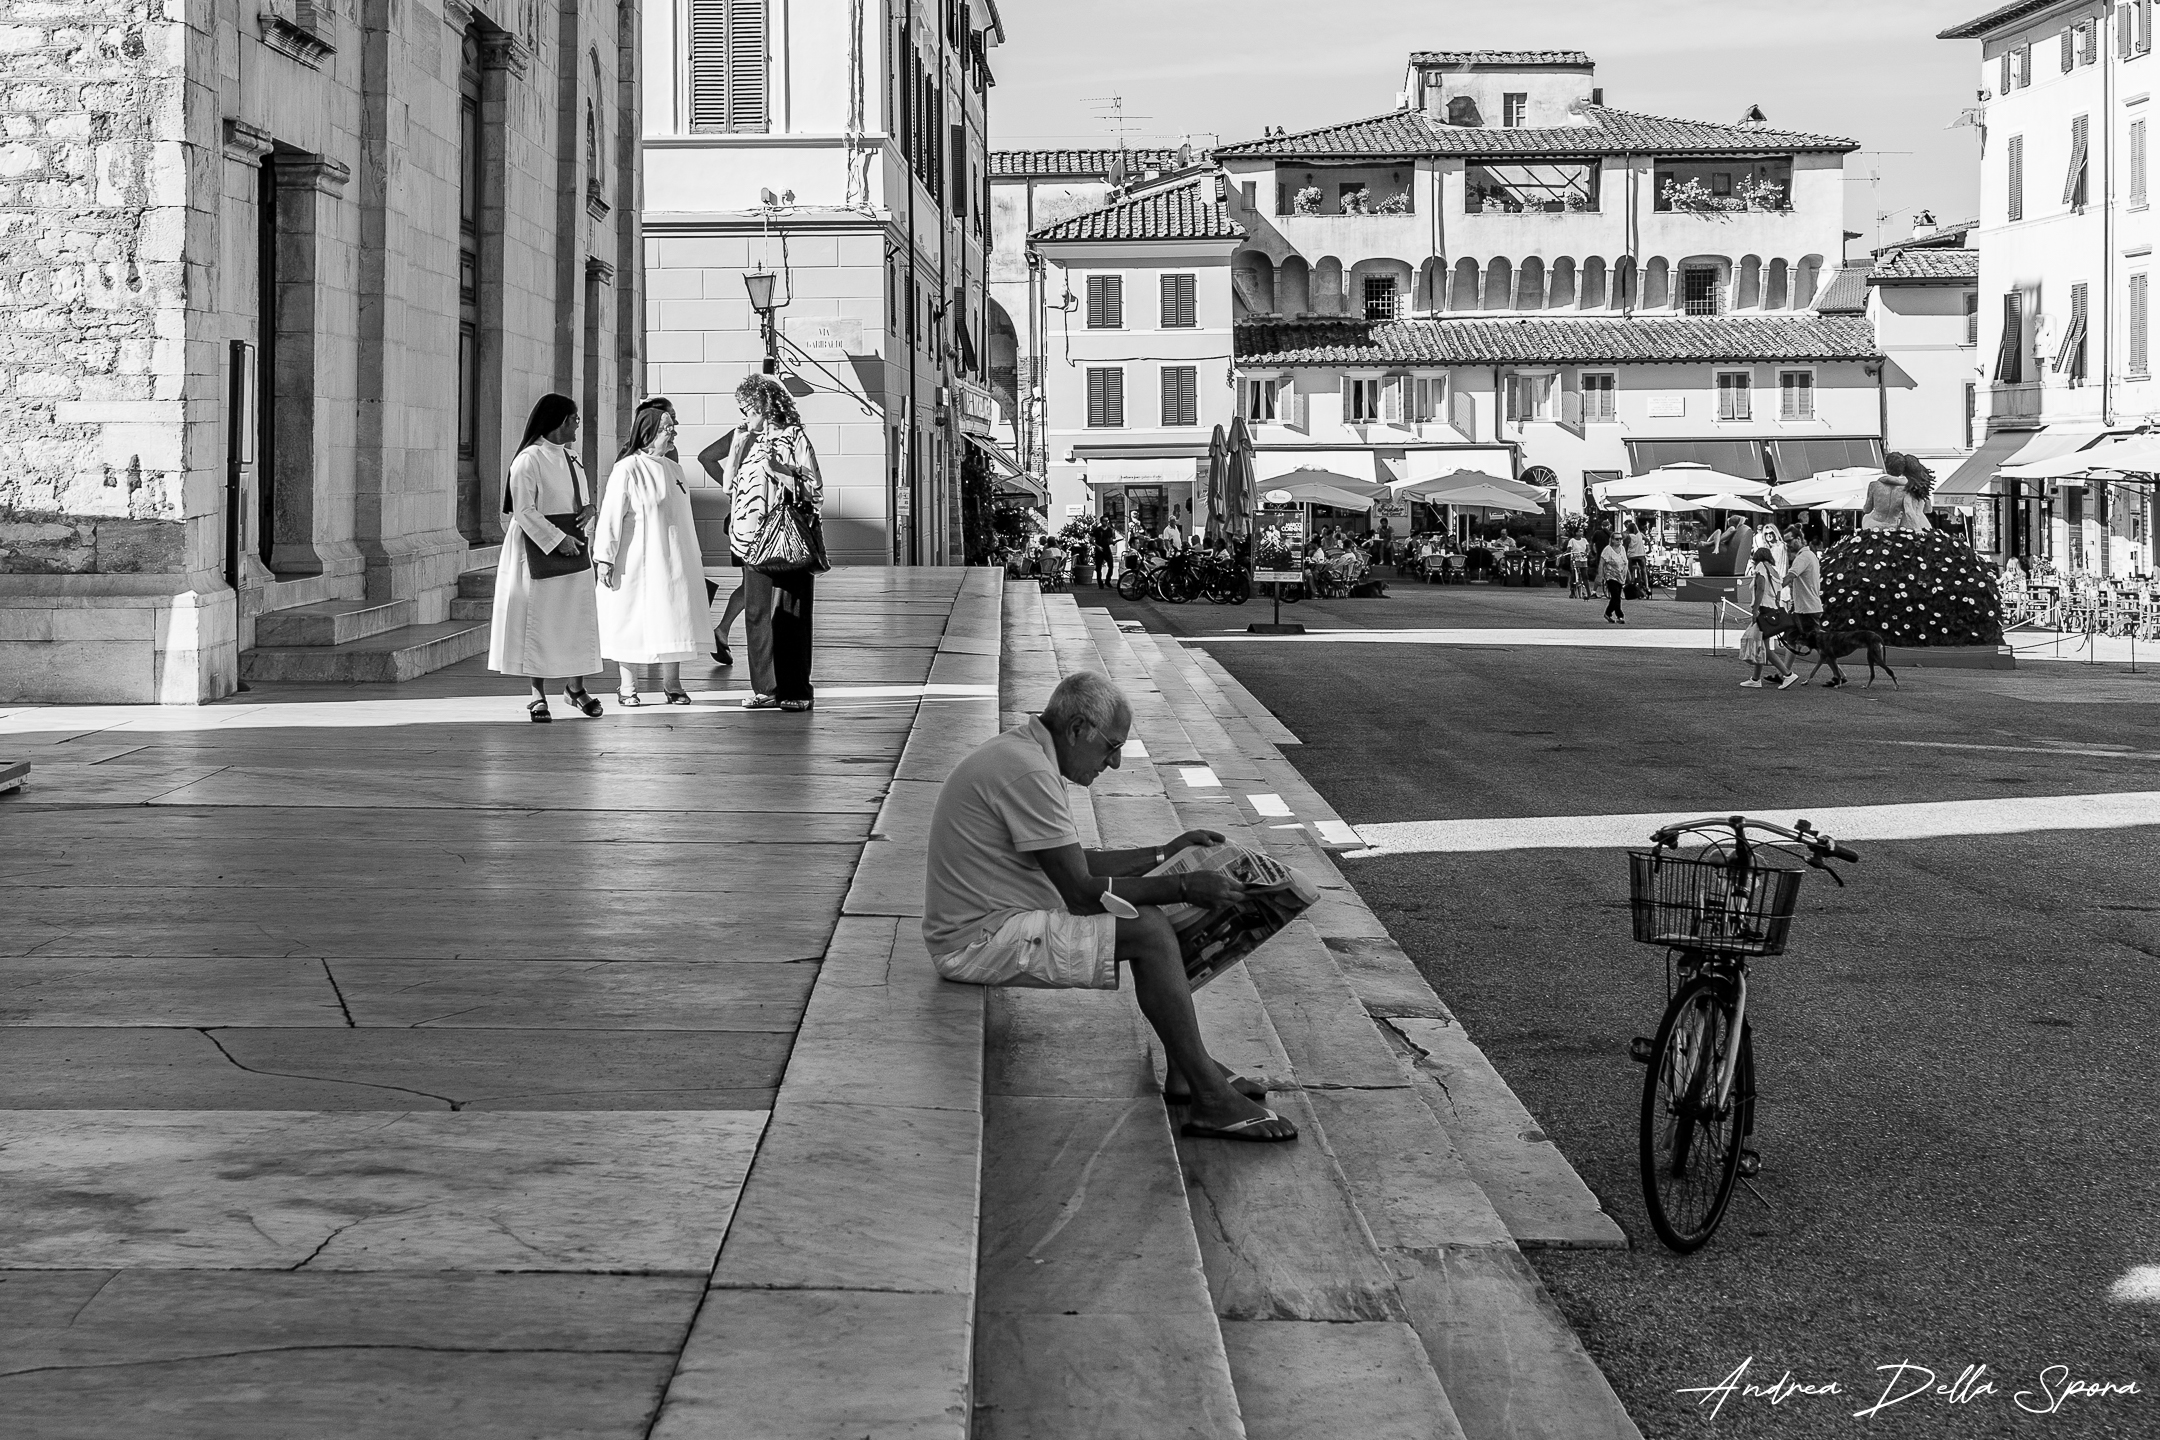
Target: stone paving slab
<point x="822" y="1365"/>
<point x="46" y="1067"/>
<point x="265" y="1356"/>
<point x="1297" y="1380"/>
<point x="1150" y="1376"/>
<point x="271" y="1190"/>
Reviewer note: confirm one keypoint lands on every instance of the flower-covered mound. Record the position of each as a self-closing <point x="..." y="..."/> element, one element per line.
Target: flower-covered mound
<point x="1913" y="587"/>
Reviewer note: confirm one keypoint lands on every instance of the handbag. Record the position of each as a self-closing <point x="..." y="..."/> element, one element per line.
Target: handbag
<point x="782" y="543"/>
<point x="547" y="564"/>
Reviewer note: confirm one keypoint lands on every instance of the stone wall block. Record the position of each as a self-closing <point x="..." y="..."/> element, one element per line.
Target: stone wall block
<point x="138" y="547"/>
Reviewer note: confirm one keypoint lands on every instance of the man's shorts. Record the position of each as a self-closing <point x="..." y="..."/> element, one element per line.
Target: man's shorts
<point x="1040" y="949"/>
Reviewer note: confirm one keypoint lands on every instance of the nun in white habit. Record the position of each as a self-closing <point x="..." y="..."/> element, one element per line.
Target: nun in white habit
<point x="652" y="578"/>
<point x="547" y="627"/>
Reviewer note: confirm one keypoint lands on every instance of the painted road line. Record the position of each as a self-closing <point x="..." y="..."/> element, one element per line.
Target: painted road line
<point x="2104" y="754"/>
<point x="1339" y="832"/>
<point x="2140" y="1285"/>
<point x="1199" y="777"/>
<point x="1270" y="805"/>
<point x="1918" y="821"/>
<point x="1606" y="639"/>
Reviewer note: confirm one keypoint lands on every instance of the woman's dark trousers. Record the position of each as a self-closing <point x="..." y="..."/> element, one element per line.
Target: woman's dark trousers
<point x="776" y="619"/>
<point x="1613" y="589"/>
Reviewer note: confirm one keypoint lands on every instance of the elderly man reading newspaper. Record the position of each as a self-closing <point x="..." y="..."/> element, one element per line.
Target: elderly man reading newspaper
<point x="1012" y="899"/>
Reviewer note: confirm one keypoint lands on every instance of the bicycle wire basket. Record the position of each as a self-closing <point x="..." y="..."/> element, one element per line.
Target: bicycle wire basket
<point x="1697" y="905"/>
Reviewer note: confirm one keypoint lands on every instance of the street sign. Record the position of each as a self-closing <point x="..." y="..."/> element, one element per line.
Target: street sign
<point x="824" y="338"/>
<point x="1278" y="577"/>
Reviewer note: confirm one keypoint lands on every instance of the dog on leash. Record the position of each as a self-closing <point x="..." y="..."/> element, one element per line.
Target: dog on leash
<point x="1831" y="646"/>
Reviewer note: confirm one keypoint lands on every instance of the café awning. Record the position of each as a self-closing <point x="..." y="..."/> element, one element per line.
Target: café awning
<point x="2005" y="448"/>
<point x="1734" y="457"/>
<point x="1796" y="460"/>
<point x="1010" y="478"/>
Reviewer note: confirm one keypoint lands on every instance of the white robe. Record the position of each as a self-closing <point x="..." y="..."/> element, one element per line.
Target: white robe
<point x="551" y="627"/>
<point x="657" y="609"/>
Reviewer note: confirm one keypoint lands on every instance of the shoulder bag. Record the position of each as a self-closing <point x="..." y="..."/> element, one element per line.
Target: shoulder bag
<point x="548" y="564"/>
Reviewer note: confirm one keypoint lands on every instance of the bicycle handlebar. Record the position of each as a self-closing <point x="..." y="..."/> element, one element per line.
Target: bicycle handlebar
<point x="1819" y="845"/>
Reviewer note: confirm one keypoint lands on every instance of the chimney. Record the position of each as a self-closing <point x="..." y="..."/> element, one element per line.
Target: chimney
<point x="1754" y="119"/>
<point x="1923" y="224"/>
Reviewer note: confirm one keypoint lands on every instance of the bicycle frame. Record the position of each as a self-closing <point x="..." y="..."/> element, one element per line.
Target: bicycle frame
<point x="1729" y="1067"/>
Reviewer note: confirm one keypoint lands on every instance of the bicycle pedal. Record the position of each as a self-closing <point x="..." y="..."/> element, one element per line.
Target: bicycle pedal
<point x="1750" y="1164"/>
<point x="1639" y="1049"/>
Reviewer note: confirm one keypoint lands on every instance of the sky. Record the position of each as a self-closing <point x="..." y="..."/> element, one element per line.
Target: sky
<point x="1869" y="70"/>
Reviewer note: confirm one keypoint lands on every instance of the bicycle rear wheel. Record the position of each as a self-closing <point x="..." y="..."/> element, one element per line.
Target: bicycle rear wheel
<point x="1690" y="1147"/>
<point x="1131" y="585"/>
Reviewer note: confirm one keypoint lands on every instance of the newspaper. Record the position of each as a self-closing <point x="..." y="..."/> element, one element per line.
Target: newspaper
<point x="1213" y="939"/>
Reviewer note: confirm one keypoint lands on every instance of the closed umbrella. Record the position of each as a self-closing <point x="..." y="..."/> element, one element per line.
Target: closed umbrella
<point x="1218" y="464"/>
<point x="1238" y="503"/>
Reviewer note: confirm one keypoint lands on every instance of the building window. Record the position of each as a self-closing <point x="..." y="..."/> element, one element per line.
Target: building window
<point x="2137" y="163"/>
<point x="1699" y="290"/>
<point x="1972" y="411"/>
<point x="2070" y="355"/>
<point x="2014" y="206"/>
<point x="1515" y="109"/>
<point x="1249" y="192"/>
<point x="2068" y="43"/>
<point x="2074" y="177"/>
<point x="1106" y="399"/>
<point x="1735" y="395"/>
<point x="1361" y="402"/>
<point x="1530" y="397"/>
<point x="2004" y="87"/>
<point x="1549" y="187"/>
<point x="2010" y="349"/>
<point x="2136" y="341"/>
<point x="1178" y="310"/>
<point x="1796" y="394"/>
<point x="728" y="66"/>
<point x="1600" y="397"/>
<point x="1380" y="297"/>
<point x="2024" y="65"/>
<point x="1257" y="404"/>
<point x="1106" y="302"/>
<point x="1180" y="395"/>
<point x="1972" y="318"/>
<point x="1428" y="399"/>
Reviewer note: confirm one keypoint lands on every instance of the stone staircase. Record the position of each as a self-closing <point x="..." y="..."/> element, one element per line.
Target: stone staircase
<point x="1367" y="1280"/>
<point x="353" y="642"/>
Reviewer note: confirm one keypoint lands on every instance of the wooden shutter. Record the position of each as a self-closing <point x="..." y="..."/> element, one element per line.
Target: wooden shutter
<point x="1178" y="306"/>
<point x="1106" y="399"/>
<point x="1572" y="406"/>
<point x="2125" y="36"/>
<point x="1180" y="395"/>
<point x="2092" y="42"/>
<point x="1291" y="403"/>
<point x="2074" y="178"/>
<point x="1972" y="318"/>
<point x="2137" y="342"/>
<point x="1105" y="302"/>
<point x="1463" y="414"/>
<point x="2016" y="187"/>
<point x="2009" y="350"/>
<point x="959" y="170"/>
<point x="1391" y="398"/>
<point x="728" y="66"/>
<point x="2005" y="88"/>
<point x="2137" y="162"/>
<point x="2069" y="51"/>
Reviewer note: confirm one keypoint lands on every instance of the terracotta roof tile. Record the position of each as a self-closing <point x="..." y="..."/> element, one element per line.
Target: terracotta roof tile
<point x="1923" y="267"/>
<point x="2009" y="14"/>
<point x="1605" y="131"/>
<point x="1091" y="164"/>
<point x="1184" y="211"/>
<point x="1500" y="57"/>
<point x="1844" y="293"/>
<point x="1600" y="340"/>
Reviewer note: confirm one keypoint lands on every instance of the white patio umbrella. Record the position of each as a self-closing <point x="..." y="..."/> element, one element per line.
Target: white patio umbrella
<point x="1690" y="477"/>
<point x="1663" y="503"/>
<point x="1844" y="489"/>
<point x="1489" y="497"/>
<point x="1732" y="502"/>
<point x="2132" y="452"/>
<point x="1439" y="489"/>
<point x="1331" y="491"/>
<point x="1334" y="480"/>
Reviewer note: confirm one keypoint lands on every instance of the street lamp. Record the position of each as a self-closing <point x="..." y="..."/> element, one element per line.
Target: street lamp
<point x="759" y="283"/>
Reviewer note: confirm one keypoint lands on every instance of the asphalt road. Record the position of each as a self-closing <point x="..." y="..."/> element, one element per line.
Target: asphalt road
<point x="1955" y="1060"/>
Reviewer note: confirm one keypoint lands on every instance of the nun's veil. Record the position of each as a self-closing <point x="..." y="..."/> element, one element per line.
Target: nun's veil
<point x="548" y="412"/>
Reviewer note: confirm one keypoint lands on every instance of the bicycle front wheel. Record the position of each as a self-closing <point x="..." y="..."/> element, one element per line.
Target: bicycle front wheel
<point x="1131" y="585"/>
<point x="1690" y="1150"/>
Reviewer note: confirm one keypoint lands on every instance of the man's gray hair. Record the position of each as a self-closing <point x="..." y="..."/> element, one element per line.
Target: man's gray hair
<point x="1086" y="695"/>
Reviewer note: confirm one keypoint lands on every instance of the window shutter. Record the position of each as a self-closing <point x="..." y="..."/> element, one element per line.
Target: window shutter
<point x="2009" y="349"/>
<point x="1391" y="398"/>
<point x="727" y="65"/>
<point x="1178" y="308"/>
<point x="2016" y="207"/>
<point x="1292" y="403"/>
<point x="2074" y="180"/>
<point x="2092" y="42"/>
<point x="1347" y="388"/>
<point x="2144" y="26"/>
<point x="1571" y="407"/>
<point x="2137" y="342"/>
<point x="1972" y="319"/>
<point x="2137" y="162"/>
<point x="1463" y="414"/>
<point x="2125" y="36"/>
<point x="2069" y="48"/>
<point x="1106" y="302"/>
<point x="1114" y="398"/>
<point x="959" y="170"/>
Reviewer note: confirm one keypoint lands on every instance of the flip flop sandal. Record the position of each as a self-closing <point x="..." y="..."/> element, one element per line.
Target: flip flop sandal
<point x="539" y="712"/>
<point x="1250" y="1089"/>
<point x="1242" y="1130"/>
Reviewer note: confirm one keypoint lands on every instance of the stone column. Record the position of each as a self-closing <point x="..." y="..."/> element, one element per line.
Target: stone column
<point x="307" y="360"/>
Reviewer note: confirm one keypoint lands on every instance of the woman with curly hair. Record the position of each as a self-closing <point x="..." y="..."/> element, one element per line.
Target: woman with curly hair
<point x="1904" y="579"/>
<point x="772" y="463"/>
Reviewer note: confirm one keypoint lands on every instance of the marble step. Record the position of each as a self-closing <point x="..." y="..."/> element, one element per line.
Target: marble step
<point x="393" y="656"/>
<point x="464" y="609"/>
<point x="1093" y="1314"/>
<point x="334" y="622"/>
<point x="14" y="774"/>
<point x="476" y="585"/>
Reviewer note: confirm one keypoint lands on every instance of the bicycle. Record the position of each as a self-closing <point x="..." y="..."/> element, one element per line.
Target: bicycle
<point x="1223" y="582"/>
<point x="1714" y="909"/>
<point x="1164" y="579"/>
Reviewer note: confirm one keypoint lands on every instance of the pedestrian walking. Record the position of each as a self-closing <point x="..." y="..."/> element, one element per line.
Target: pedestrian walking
<point x="1803" y="584"/>
<point x="1612" y="573"/>
<point x="1638" y="559"/>
<point x="652" y="598"/>
<point x="546" y="623"/>
<point x="1104" y="539"/>
<point x="772" y="464"/>
<point x="1762" y="643"/>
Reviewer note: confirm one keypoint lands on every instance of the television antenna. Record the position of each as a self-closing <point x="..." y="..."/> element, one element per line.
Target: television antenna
<point x="1874" y="180"/>
<point x="1111" y="112"/>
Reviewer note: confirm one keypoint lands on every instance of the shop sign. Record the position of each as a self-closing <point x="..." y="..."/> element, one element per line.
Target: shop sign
<point x="1668" y="407"/>
<point x="1278" y="577"/>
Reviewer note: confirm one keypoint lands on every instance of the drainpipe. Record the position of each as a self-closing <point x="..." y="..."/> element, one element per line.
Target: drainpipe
<point x="907" y="178"/>
<point x="1882" y="399"/>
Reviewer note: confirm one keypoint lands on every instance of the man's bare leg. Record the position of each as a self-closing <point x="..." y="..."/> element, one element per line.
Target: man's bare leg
<point x="1149" y="948"/>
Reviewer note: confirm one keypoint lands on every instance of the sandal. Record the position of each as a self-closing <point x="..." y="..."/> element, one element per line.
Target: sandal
<point x="539" y="712"/>
<point x="582" y="700"/>
<point x="762" y="702"/>
<point x="1250" y="1089"/>
<point x="628" y="699"/>
<point x="1240" y="1130"/>
<point x="721" y="654"/>
<point x="796" y="707"/>
<point x="678" y="697"/>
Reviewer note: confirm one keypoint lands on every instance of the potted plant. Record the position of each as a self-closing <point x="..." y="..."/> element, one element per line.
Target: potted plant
<point x="1760" y="194"/>
<point x="1355" y="202"/>
<point x="1691" y="197"/>
<point x="1306" y="201"/>
<point x="1396" y="204"/>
